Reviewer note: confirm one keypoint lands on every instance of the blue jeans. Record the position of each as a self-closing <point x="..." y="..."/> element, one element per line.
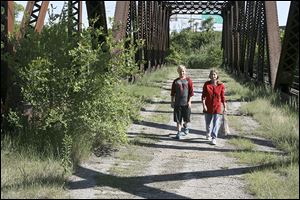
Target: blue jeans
<point x="213" y="122"/>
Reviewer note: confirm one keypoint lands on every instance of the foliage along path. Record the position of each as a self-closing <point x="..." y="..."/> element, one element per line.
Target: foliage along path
<point x="156" y="165"/>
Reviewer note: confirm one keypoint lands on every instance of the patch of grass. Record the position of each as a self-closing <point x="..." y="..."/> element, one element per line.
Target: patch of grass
<point x="242" y="144"/>
<point x="143" y="139"/>
<point x="162" y="117"/>
<point x="151" y="82"/>
<point x="233" y="89"/>
<point x="236" y="123"/>
<point x="132" y="157"/>
<point x="28" y="176"/>
<point x="278" y="124"/>
<point x="160" y="75"/>
<point x="35" y="192"/>
<point x="132" y="153"/>
<point x="139" y="91"/>
<point x="256" y="158"/>
<point x="281" y="183"/>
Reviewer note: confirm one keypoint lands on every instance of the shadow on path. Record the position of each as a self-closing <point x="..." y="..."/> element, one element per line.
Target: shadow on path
<point x="137" y="185"/>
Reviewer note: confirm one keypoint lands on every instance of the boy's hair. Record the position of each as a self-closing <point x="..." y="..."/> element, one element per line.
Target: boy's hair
<point x="181" y="67"/>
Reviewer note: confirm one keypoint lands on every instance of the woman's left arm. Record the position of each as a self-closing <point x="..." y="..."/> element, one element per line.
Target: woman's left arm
<point x="223" y="100"/>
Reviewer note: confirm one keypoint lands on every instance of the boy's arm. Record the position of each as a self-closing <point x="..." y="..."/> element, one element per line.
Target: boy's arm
<point x="172" y="101"/>
<point x="191" y="92"/>
<point x="191" y="87"/>
<point x="190" y="101"/>
<point x="173" y="94"/>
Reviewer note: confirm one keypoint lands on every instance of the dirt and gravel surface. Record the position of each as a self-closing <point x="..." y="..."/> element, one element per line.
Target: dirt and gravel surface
<point x="160" y="166"/>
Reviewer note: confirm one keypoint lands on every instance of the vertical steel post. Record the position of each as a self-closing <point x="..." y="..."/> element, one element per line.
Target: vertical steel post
<point x="273" y="38"/>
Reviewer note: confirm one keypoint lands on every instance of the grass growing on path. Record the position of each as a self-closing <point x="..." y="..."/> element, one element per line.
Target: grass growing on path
<point x="150" y="85"/>
<point x="278" y="123"/>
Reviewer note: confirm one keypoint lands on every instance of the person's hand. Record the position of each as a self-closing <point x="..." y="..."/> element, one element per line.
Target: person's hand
<point x="172" y="104"/>
<point x="204" y="108"/>
<point x="190" y="104"/>
<point x="225" y="110"/>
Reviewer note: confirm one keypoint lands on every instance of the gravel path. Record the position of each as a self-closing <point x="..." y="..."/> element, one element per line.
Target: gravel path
<point x="168" y="168"/>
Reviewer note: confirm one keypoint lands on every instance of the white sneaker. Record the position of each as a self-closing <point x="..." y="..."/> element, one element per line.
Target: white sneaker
<point x="214" y="141"/>
<point x="208" y="137"/>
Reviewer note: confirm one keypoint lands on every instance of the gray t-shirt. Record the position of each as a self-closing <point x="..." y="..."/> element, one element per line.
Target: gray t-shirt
<point x="180" y="89"/>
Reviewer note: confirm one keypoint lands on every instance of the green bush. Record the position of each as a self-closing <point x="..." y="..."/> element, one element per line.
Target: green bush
<point x="197" y="49"/>
<point x="196" y="60"/>
<point x="174" y="57"/>
<point x="73" y="88"/>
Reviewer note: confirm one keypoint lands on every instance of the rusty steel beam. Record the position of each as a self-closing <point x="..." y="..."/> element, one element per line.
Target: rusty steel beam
<point x="260" y="67"/>
<point x="97" y="18"/>
<point x="161" y="34"/>
<point x="26" y="18"/>
<point x="236" y="38"/>
<point x="148" y="36"/>
<point x="96" y="11"/>
<point x="74" y="17"/>
<point x="228" y="38"/>
<point x="273" y="38"/>
<point x="242" y="28"/>
<point x="8" y="19"/>
<point x="41" y="17"/>
<point x="120" y="17"/>
<point x="249" y="37"/>
<point x="252" y="39"/>
<point x="289" y="58"/>
<point x="223" y="41"/>
<point x="7" y="22"/>
<point x="141" y="23"/>
<point x="34" y="16"/>
<point x="231" y="38"/>
<point x="154" y="35"/>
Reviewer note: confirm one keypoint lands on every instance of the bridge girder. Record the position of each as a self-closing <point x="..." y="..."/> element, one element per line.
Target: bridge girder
<point x="250" y="37"/>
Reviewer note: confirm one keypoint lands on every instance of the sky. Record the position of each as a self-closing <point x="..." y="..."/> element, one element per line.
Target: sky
<point x="282" y="8"/>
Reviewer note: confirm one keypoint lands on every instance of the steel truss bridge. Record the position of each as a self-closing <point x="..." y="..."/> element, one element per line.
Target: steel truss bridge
<point x="250" y="37"/>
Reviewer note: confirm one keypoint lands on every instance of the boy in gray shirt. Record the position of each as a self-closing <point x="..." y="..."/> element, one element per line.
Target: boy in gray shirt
<point x="181" y="100"/>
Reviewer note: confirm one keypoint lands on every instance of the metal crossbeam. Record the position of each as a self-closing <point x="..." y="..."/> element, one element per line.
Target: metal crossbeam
<point x="195" y="7"/>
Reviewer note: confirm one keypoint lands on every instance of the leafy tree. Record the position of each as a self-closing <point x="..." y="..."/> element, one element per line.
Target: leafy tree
<point x="196" y="24"/>
<point x="208" y="24"/>
<point x="196" y="49"/>
<point x="191" y="23"/>
<point x="17" y="9"/>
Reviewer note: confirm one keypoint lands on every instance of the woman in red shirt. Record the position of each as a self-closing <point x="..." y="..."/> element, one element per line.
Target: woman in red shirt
<point x="212" y="98"/>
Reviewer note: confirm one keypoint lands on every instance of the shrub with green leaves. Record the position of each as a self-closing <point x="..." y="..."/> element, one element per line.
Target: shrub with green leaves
<point x="73" y="88"/>
<point x="196" y="49"/>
